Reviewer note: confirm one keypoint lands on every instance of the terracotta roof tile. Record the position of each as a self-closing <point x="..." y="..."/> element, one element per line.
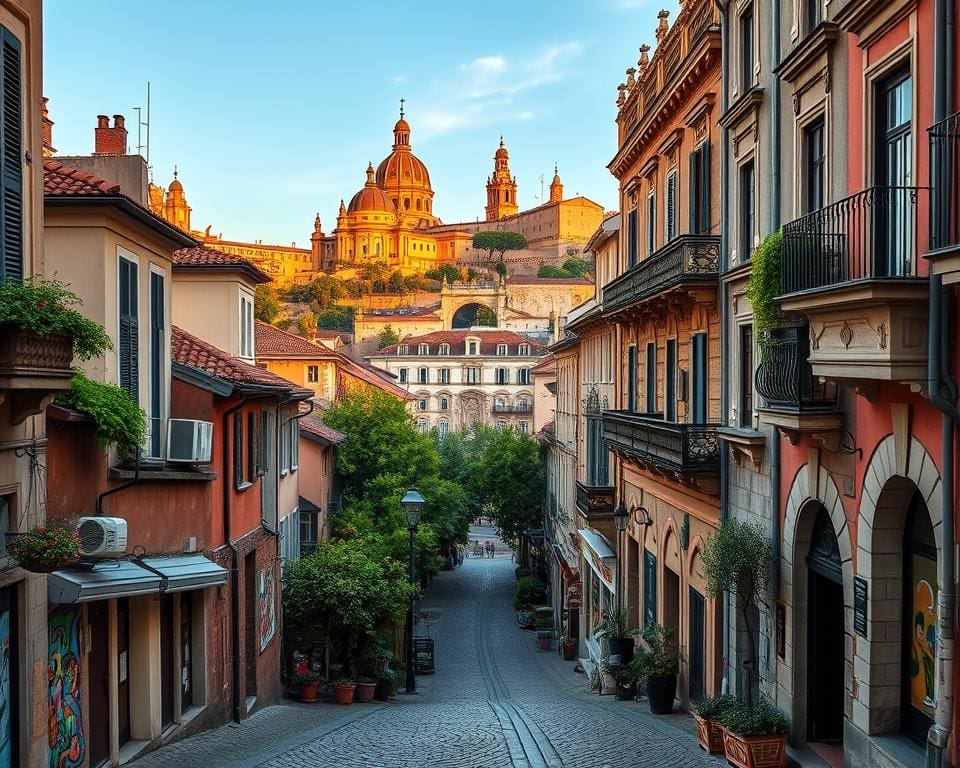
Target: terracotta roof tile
<point x="489" y="340"/>
<point x="273" y="342"/>
<point x="187" y="349"/>
<point x="60" y="180"/>
<point x="203" y="256"/>
<point x="313" y="425"/>
<point x="372" y="375"/>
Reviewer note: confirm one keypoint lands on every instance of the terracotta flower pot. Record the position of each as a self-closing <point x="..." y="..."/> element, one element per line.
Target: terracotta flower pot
<point x="755" y="751"/>
<point x="343" y="694"/>
<point x="364" y="692"/>
<point x="569" y="651"/>
<point x="710" y="735"/>
<point x="308" y="692"/>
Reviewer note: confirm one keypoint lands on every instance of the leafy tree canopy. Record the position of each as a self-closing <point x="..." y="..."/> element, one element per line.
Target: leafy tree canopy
<point x="266" y="303"/>
<point x="499" y="243"/>
<point x="336" y="318"/>
<point x="387" y="337"/>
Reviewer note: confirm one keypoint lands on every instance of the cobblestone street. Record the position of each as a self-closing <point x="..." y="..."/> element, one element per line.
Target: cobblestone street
<point x="495" y="700"/>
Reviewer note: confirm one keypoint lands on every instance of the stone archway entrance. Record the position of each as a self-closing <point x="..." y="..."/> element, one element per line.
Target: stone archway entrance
<point x="474" y="314"/>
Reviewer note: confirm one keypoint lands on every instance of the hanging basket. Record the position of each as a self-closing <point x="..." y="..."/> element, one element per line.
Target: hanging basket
<point x="45" y="549"/>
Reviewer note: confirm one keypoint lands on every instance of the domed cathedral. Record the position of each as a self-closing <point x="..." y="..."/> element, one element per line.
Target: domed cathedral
<point x="387" y="217"/>
<point x="501" y="187"/>
<point x="170" y="204"/>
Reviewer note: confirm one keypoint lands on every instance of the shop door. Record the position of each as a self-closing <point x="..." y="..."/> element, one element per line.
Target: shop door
<point x="167" y="666"/>
<point x="649" y="588"/>
<point x="123" y="670"/>
<point x="98" y="619"/>
<point x="825" y="637"/>
<point x="698" y="645"/>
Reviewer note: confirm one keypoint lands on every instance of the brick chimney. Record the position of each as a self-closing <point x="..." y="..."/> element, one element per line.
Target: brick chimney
<point x="110" y="140"/>
<point x="47" y="129"/>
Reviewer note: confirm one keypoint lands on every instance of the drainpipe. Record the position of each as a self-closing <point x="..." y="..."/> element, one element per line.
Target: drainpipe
<point x="123" y="487"/>
<point x="725" y="683"/>
<point x="939" y="378"/>
<point x="235" y="569"/>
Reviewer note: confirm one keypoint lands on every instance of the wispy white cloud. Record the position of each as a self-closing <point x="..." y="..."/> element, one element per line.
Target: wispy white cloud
<point x="399" y="79"/>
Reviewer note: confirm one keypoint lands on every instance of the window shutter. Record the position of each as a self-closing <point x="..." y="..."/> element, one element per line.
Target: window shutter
<point x="129" y="332"/>
<point x="632" y="250"/>
<point x="693" y="198"/>
<point x="671" y="206"/>
<point x="238" y="449"/>
<point x="11" y="173"/>
<point x="705" y="187"/>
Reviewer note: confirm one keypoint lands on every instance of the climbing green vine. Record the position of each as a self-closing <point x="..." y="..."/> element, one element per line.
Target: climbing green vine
<point x="118" y="419"/>
<point x="763" y="287"/>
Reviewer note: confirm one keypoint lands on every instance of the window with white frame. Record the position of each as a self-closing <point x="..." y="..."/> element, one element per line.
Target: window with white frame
<point x="502" y="377"/>
<point x="524" y="376"/>
<point x="421" y="426"/>
<point x="402" y="375"/>
<point x="523" y="426"/>
<point x="313" y="374"/>
<point x="472" y="375"/>
<point x="424" y="349"/>
<point x="523" y="349"/>
<point x="443" y="427"/>
<point x="444" y="349"/>
<point x="501" y="349"/>
<point x="422" y="404"/>
<point x="473" y="347"/>
<point x="444" y="404"/>
<point x="422" y="375"/>
<point x="403" y="349"/>
<point x="246" y="327"/>
<point x="444" y="375"/>
<point x="501" y="425"/>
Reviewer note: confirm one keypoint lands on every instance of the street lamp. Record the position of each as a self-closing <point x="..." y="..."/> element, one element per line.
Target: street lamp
<point x="620" y="516"/>
<point x="412" y="504"/>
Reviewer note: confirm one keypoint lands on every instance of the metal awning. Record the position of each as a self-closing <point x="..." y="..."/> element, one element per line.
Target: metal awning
<point x="599" y="555"/>
<point x="183" y="572"/>
<point x="128" y="578"/>
<point x="102" y="581"/>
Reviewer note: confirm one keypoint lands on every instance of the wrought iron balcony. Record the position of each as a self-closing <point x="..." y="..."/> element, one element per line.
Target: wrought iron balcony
<point x="683" y="448"/>
<point x="785" y="379"/>
<point x="873" y="234"/>
<point x="693" y="259"/>
<point x="595" y="499"/>
<point x="512" y="408"/>
<point x="945" y="177"/>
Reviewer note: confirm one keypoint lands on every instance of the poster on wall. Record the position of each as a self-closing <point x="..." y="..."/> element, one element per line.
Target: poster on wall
<point x="923" y="634"/>
<point x="64" y="713"/>
<point x="266" y="606"/>
<point x="6" y="686"/>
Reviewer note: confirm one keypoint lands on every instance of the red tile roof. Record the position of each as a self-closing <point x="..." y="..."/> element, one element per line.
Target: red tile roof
<point x="313" y="426"/>
<point x="60" y="180"/>
<point x="272" y="342"/>
<point x="189" y="350"/>
<point x="546" y="365"/>
<point x="533" y="280"/>
<point x="371" y="375"/>
<point x="489" y="340"/>
<point x="204" y="257"/>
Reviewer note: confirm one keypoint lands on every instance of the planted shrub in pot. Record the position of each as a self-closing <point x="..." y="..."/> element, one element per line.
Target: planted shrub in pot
<point x="308" y="682"/>
<point x="530" y="592"/>
<point x="568" y="646"/>
<point x="116" y="415"/>
<point x="544" y="623"/>
<point x="755" y="735"/>
<point x="343" y="689"/>
<point x="615" y="627"/>
<point x="45" y="548"/>
<point x="706" y="713"/>
<point x="657" y="667"/>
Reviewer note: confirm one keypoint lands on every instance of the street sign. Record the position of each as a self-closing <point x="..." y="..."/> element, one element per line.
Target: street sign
<point x="423" y="655"/>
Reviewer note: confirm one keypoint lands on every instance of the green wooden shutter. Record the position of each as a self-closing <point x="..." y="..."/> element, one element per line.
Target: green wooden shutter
<point x="705" y="187"/>
<point x="694" y="194"/>
<point x="11" y="171"/>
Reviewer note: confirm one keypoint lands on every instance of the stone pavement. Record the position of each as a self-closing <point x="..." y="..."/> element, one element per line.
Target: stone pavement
<point x="495" y="700"/>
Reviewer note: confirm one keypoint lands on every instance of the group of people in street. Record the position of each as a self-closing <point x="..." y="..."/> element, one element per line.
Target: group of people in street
<point x="486" y="549"/>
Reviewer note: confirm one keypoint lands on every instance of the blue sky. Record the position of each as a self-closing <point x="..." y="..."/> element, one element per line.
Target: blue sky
<point x="271" y="111"/>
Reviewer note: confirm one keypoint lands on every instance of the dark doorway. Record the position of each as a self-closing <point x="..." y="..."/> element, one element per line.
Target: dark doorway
<point x="671" y="598"/>
<point x="167" y="666"/>
<point x="698" y="645"/>
<point x="186" y="651"/>
<point x="123" y="670"/>
<point x="471" y="315"/>
<point x="250" y="625"/>
<point x="99" y="621"/>
<point x="826" y="670"/>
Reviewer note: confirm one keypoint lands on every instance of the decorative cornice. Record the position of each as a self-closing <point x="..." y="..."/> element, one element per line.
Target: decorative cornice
<point x="750" y="101"/>
<point x="805" y="55"/>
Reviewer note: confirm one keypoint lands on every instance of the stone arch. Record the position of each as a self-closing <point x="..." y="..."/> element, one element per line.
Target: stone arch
<point x="898" y="468"/>
<point x="467" y="315"/>
<point x="813" y="487"/>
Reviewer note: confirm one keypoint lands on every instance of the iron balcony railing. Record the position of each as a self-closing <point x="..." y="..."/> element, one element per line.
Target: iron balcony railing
<point x="785" y="379"/>
<point x="872" y="234"/>
<point x="595" y="499"/>
<point x="512" y="408"/>
<point x="945" y="179"/>
<point x="674" y="446"/>
<point x="685" y="258"/>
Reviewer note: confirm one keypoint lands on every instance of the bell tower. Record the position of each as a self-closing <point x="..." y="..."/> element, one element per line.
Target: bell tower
<point x="556" y="186"/>
<point x="501" y="187"/>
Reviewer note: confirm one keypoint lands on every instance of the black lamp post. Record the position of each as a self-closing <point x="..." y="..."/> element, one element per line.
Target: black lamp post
<point x="412" y="504"/>
<point x="620" y="516"/>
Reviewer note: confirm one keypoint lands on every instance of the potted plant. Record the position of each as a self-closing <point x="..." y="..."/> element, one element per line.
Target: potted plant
<point x="366" y="688"/>
<point x="118" y="419"/>
<point x="706" y="714"/>
<point x="530" y="591"/>
<point x="568" y="646"/>
<point x="544" y="623"/>
<point x="615" y="627"/>
<point x="657" y="667"/>
<point x="41" y="329"/>
<point x="386" y="684"/>
<point x="755" y="735"/>
<point x="308" y="682"/>
<point x="343" y="688"/>
<point x="45" y="548"/>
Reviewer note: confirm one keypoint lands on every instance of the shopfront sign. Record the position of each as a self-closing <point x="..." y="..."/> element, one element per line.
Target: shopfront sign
<point x="860" y="606"/>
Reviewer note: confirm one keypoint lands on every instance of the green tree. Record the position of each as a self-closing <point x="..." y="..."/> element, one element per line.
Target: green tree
<point x="387" y="337"/>
<point x="472" y="275"/>
<point x="307" y="324"/>
<point x="336" y="318"/>
<point x="548" y="270"/>
<point x="446" y="273"/>
<point x="375" y="272"/>
<point x="577" y="267"/>
<point x="502" y="270"/>
<point x="486" y="317"/>
<point x="499" y="243"/>
<point x="266" y="303"/>
<point x="322" y="291"/>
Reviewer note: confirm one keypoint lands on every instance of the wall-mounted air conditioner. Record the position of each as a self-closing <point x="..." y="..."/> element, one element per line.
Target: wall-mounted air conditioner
<point x="102" y="537"/>
<point x="189" y="441"/>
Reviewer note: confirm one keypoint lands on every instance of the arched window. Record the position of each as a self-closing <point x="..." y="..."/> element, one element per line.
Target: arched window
<point x="376" y="248"/>
<point x="419" y="204"/>
<point x="406" y="203"/>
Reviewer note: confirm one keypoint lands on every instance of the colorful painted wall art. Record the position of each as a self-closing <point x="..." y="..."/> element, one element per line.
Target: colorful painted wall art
<point x="266" y="606"/>
<point x="64" y="712"/>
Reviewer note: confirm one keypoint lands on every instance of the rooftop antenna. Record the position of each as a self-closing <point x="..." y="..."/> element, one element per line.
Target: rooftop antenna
<point x="143" y="147"/>
<point x="401" y="108"/>
<point x="541" y="186"/>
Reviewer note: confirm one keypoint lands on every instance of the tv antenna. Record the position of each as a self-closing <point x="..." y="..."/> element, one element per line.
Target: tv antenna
<point x="143" y="130"/>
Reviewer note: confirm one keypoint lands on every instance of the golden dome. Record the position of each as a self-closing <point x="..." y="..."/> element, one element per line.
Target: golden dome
<point x="502" y="153"/>
<point x="402" y="169"/>
<point x="371" y="197"/>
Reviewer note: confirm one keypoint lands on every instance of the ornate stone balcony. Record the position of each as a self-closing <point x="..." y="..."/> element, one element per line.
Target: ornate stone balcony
<point x="686" y="262"/>
<point x="595" y="500"/>
<point x="679" y="449"/>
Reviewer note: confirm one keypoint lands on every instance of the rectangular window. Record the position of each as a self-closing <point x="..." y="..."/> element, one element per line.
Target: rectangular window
<point x="814" y="167"/>
<point x="670" y="207"/>
<point x="651" y="378"/>
<point x="597" y="454"/>
<point x="472" y="348"/>
<point x="698" y="365"/>
<point x="442" y="428"/>
<point x="284" y="448"/>
<point x="523" y="426"/>
<point x="423" y="349"/>
<point x="252" y="446"/>
<point x="128" y="348"/>
<point x="313" y="374"/>
<point x="746" y="376"/>
<point x="700" y="189"/>
<point x="308" y="532"/>
<point x="523" y="349"/>
<point x="670" y="381"/>
<point x="444" y="349"/>
<point x="11" y="160"/>
<point x="402" y="375"/>
<point x="632" y="251"/>
<point x="444" y="375"/>
<point x="238" y="451"/>
<point x="473" y="375"/>
<point x="246" y="327"/>
<point x="158" y="349"/>
<point x="422" y="375"/>
<point x="524" y="376"/>
<point x="293" y="429"/>
<point x="631" y="378"/>
<point x="501" y="375"/>
<point x="746" y="50"/>
<point x="649" y="588"/>
<point x="651" y="222"/>
<point x="444" y="404"/>
<point x="422" y="404"/>
<point x="747" y="210"/>
<point x="501" y="349"/>
<point x="813" y="13"/>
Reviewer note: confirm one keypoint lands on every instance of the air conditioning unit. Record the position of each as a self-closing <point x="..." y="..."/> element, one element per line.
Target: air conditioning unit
<point x="189" y="441"/>
<point x="102" y="537"/>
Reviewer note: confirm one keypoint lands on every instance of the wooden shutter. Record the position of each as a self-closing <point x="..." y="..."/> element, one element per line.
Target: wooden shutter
<point x="129" y="332"/>
<point x="651" y="377"/>
<point x="671" y="206"/>
<point x="238" y="450"/>
<point x="157" y="349"/>
<point x="698" y="405"/>
<point x="670" y="381"/>
<point x="631" y="378"/>
<point x="632" y="250"/>
<point x="698" y="641"/>
<point x="693" y="197"/>
<point x="649" y="588"/>
<point x="11" y="171"/>
<point x="705" y="187"/>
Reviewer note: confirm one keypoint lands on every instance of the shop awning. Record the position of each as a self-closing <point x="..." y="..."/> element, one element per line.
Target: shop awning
<point x="183" y="572"/>
<point x="102" y="581"/>
<point x="128" y="578"/>
<point x="599" y="554"/>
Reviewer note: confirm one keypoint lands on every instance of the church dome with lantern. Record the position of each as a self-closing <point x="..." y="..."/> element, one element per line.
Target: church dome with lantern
<point x="371" y="197"/>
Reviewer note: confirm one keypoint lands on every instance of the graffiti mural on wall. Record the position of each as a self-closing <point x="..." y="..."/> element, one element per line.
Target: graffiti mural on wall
<point x="65" y="716"/>
<point x="6" y="691"/>
<point x="266" y="606"/>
